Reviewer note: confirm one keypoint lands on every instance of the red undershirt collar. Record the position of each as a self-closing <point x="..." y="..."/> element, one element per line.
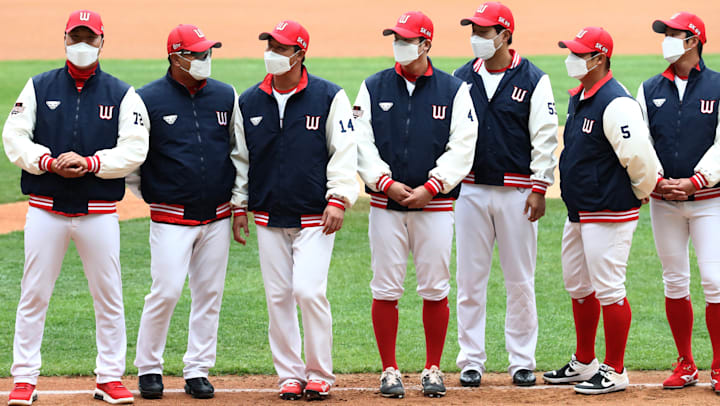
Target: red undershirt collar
<point x="409" y="76"/>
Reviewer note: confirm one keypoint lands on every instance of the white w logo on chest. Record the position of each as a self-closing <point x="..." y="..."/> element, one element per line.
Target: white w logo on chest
<point x="518" y="94"/>
<point x="438" y="112"/>
<point x="707" y="106"/>
<point x="587" y="126"/>
<point x="312" y="123"/>
<point x="222" y="117"/>
<point x="106" y="112"/>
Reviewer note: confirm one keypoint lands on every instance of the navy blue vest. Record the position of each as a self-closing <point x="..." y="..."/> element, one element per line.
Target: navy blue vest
<point x="591" y="177"/>
<point x="288" y="164"/>
<point x="188" y="162"/>
<point x="683" y="131"/>
<point x="503" y="144"/>
<point x="412" y="132"/>
<point x="70" y="121"/>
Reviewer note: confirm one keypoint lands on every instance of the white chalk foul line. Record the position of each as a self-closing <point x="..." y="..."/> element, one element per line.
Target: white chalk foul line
<point x="342" y="389"/>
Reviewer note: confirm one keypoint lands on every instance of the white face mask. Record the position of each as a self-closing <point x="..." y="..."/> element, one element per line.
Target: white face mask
<point x="577" y="66"/>
<point x="673" y="48"/>
<point x="405" y="52"/>
<point x="484" y="48"/>
<point x="276" y="64"/>
<point x="199" y="69"/>
<point x="82" y="54"/>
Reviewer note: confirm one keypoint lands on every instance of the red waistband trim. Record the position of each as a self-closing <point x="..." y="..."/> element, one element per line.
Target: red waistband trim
<point x="94" y="206"/>
<point x="443" y="204"/>
<point x="175" y="213"/>
<point x="608" y="216"/>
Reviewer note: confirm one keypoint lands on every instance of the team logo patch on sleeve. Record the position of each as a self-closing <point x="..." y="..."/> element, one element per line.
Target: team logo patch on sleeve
<point x="707" y="106"/>
<point x="658" y="102"/>
<point x="170" y="119"/>
<point x="587" y="125"/>
<point x="222" y="117"/>
<point x="106" y="112"/>
<point x="438" y="112"/>
<point x="312" y="123"/>
<point x="52" y="104"/>
<point x="385" y="106"/>
<point x="19" y="108"/>
<point x="357" y="112"/>
<point x="256" y="120"/>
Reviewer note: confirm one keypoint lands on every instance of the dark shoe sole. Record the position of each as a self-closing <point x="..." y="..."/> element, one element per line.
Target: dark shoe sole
<point x="151" y="395"/>
<point x="435" y="394"/>
<point x="393" y="395"/>
<point x="208" y="395"/>
<point x="290" y="396"/>
<point x="314" y="395"/>
<point x="470" y="384"/>
<point x="524" y="383"/>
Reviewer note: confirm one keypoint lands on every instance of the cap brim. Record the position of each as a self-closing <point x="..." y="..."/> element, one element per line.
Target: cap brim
<point x="401" y="32"/>
<point x="575" y="47"/>
<point x="279" y="38"/>
<point x="203" y="46"/>
<point x="659" y="26"/>
<point x="68" y="29"/>
<point x="481" y="21"/>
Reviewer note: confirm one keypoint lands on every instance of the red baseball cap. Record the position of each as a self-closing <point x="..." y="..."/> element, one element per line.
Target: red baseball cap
<point x="85" y="18"/>
<point x="590" y="39"/>
<point x="413" y="24"/>
<point x="682" y="21"/>
<point x="289" y="32"/>
<point x="491" y="14"/>
<point x="189" y="38"/>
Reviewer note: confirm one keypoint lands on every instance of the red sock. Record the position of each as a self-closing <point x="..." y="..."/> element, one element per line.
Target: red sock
<point x="586" y="312"/>
<point x="616" y="319"/>
<point x="385" y="324"/>
<point x="680" y="317"/>
<point x="712" y="318"/>
<point x="435" y="320"/>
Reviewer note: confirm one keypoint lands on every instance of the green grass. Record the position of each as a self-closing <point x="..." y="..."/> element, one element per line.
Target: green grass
<point x="347" y="72"/>
<point x="69" y="346"/>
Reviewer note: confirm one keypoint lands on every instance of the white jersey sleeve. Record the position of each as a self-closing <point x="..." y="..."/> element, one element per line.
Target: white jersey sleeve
<point x="709" y="165"/>
<point x="643" y="106"/>
<point x="370" y="166"/>
<point x="18" y="131"/>
<point x="628" y="134"/>
<point x="132" y="143"/>
<point x="342" y="151"/>
<point x="240" y="157"/>
<point x="543" y="127"/>
<point x="456" y="162"/>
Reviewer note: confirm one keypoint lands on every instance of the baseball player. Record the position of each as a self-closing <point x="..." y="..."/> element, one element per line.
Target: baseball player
<point x="680" y="107"/>
<point x="75" y="132"/>
<point x="187" y="179"/>
<point x="504" y="195"/>
<point x="296" y="160"/>
<point x="607" y="168"/>
<point x="416" y="138"/>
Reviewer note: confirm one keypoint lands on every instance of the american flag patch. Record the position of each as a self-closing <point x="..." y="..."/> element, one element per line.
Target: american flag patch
<point x="19" y="108"/>
<point x="357" y="112"/>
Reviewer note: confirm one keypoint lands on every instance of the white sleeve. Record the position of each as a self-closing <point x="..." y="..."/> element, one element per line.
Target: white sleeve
<point x="132" y="182"/>
<point x="709" y="165"/>
<point x="543" y="127"/>
<point x="370" y="166"/>
<point x="132" y="143"/>
<point x="240" y="157"/>
<point x="342" y="151"/>
<point x="18" y="133"/>
<point x="456" y="161"/>
<point x="628" y="134"/>
<point x="643" y="106"/>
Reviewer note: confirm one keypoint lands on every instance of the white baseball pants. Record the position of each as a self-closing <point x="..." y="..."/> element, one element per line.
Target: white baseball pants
<point x="294" y="264"/>
<point x="427" y="234"/>
<point x="594" y="259"/>
<point x="674" y="223"/>
<point x="486" y="214"/>
<point x="97" y="239"/>
<point x="199" y="253"/>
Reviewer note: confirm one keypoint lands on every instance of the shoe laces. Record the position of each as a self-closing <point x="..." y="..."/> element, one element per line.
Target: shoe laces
<point x="682" y="365"/>
<point x="434" y="375"/>
<point x="390" y="376"/>
<point x="291" y="384"/>
<point x="23" y="386"/>
<point x="114" y="385"/>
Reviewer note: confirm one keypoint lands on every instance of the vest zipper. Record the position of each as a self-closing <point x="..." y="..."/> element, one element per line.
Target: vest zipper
<point x="200" y="149"/>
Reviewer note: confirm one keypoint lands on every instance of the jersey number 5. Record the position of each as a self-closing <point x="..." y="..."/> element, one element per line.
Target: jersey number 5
<point x="625" y="131"/>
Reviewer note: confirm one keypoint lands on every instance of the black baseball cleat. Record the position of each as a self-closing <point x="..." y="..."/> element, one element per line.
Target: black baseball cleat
<point x="432" y="383"/>
<point x="391" y="384"/>
<point x="199" y="388"/>
<point x="470" y="378"/>
<point x="150" y="386"/>
<point x="524" y="377"/>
